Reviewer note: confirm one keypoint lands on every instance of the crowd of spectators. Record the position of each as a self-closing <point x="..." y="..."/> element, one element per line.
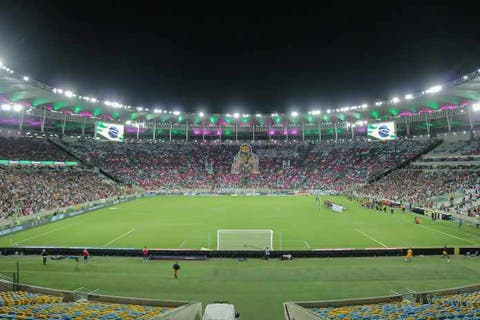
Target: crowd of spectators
<point x="156" y="166"/>
<point x="26" y="190"/>
<point x="31" y="148"/>
<point x="447" y="178"/>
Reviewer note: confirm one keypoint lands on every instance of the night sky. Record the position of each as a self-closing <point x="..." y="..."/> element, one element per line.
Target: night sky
<point x="239" y="58"/>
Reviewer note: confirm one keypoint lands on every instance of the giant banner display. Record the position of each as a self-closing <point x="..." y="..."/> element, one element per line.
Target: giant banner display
<point x="245" y="161"/>
<point x="109" y="131"/>
<point x="382" y="131"/>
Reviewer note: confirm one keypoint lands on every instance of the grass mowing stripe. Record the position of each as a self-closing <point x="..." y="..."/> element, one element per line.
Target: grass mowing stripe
<point x="447" y="234"/>
<point x="119" y="237"/>
<point x="371" y="238"/>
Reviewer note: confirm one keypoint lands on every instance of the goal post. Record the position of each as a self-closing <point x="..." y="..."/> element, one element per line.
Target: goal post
<point x="244" y="239"/>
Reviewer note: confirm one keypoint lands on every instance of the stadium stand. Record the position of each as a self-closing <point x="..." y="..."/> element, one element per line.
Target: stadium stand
<point x="439" y="305"/>
<point x="61" y="305"/>
<point x="445" y="179"/>
<point x="283" y="166"/>
<point x="29" y="189"/>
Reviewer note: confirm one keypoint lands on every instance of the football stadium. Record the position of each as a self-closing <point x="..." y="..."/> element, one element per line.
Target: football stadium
<point x="133" y="211"/>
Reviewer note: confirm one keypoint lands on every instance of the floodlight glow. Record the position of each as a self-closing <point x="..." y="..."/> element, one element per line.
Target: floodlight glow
<point x="25" y="78"/>
<point x="434" y="89"/>
<point x="245" y="115"/>
<point x="6" y="107"/>
<point x="201" y="114"/>
<point x="236" y="115"/>
<point x="294" y="114"/>
<point x="364" y="106"/>
<point x="396" y="100"/>
<point x="258" y="115"/>
<point x="139" y="109"/>
<point x="378" y="103"/>
<point x="476" y="106"/>
<point x="1" y="64"/>
<point x="69" y="94"/>
<point x="328" y="110"/>
<point x="60" y="90"/>
<point x="465" y="77"/>
<point x="409" y="96"/>
<point x="17" y="107"/>
<point x="176" y="112"/>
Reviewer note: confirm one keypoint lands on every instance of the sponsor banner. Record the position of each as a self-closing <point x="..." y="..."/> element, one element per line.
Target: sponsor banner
<point x="10" y="230"/>
<point x="57" y="217"/>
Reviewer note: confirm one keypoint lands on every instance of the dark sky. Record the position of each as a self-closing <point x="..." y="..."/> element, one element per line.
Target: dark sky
<point x="254" y="58"/>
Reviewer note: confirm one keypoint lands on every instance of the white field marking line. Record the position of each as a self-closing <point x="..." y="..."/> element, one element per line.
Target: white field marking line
<point x="119" y="237"/>
<point x="306" y="244"/>
<point x="182" y="244"/>
<point x="371" y="238"/>
<point x="39" y="235"/>
<point x="447" y="234"/>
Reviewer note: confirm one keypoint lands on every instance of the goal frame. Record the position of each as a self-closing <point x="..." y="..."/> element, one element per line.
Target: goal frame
<point x="246" y="230"/>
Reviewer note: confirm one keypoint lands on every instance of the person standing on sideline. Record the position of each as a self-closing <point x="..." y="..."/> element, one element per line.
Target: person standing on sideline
<point x="176" y="268"/>
<point x="409" y="256"/>
<point x="460" y="222"/>
<point x="44" y="257"/>
<point x="145" y="254"/>
<point x="85" y="255"/>
<point x="267" y="253"/>
<point x="445" y="254"/>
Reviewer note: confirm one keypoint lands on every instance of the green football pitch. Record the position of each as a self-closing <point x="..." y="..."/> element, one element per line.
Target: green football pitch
<point x="192" y="223"/>
<point x="256" y="287"/>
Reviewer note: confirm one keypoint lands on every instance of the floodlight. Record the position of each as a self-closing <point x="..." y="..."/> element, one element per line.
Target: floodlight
<point x="465" y="77"/>
<point x="25" y="78"/>
<point x="258" y="115"/>
<point x="475" y="106"/>
<point x="328" y="110"/>
<point x="17" y="107"/>
<point x="176" y="112"/>
<point x="378" y="103"/>
<point x="236" y="115"/>
<point x="409" y="96"/>
<point x="364" y="106"/>
<point x="1" y="64"/>
<point x="294" y="114"/>
<point x="201" y="114"/>
<point x="434" y="89"/>
<point x="396" y="99"/>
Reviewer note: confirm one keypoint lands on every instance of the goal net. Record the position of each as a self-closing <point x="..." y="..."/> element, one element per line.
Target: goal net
<point x="238" y="239"/>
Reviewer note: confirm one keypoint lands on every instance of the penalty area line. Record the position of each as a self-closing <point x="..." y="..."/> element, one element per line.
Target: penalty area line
<point x="182" y="244"/>
<point x="447" y="234"/>
<point x="371" y="238"/>
<point x="119" y="237"/>
<point x="39" y="235"/>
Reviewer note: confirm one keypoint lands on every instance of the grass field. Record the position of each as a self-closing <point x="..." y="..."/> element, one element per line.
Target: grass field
<point x="256" y="287"/>
<point x="192" y="222"/>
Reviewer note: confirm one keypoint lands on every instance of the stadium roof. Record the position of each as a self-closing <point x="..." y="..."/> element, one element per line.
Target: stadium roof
<point x="18" y="92"/>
